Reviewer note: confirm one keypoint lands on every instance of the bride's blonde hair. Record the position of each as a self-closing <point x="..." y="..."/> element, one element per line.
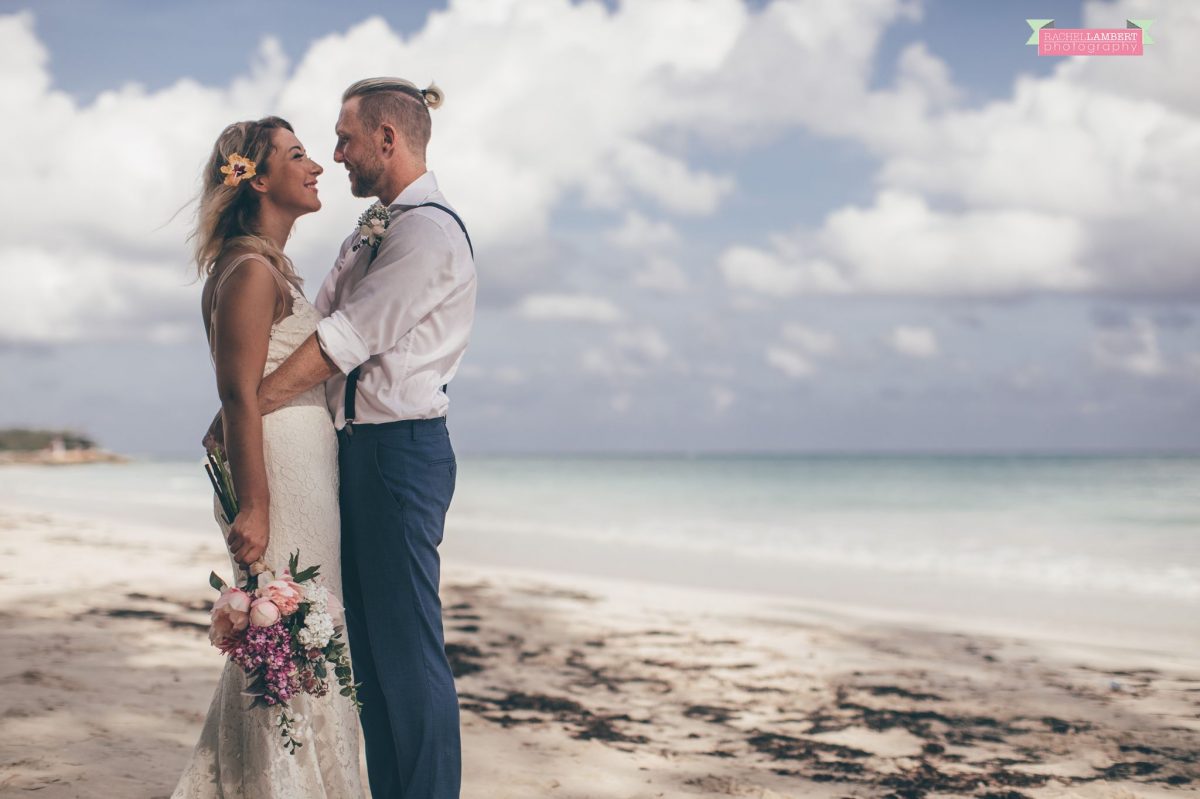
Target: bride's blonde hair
<point x="228" y="215"/>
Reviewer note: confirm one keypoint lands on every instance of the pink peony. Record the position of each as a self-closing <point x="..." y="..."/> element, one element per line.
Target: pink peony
<point x="264" y="613"/>
<point x="284" y="593"/>
<point x="230" y="616"/>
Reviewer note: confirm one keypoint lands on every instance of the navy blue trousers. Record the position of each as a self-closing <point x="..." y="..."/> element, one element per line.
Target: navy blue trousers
<point x="397" y="481"/>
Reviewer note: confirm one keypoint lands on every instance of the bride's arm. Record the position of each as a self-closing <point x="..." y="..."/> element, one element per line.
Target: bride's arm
<point x="245" y="311"/>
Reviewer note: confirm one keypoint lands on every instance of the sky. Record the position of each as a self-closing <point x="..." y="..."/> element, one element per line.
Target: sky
<point x="700" y="225"/>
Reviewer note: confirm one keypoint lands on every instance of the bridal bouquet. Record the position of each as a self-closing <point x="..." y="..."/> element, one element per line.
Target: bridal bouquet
<point x="281" y="631"/>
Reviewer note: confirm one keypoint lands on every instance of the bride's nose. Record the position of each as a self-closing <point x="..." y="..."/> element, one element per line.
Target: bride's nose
<point x="317" y="168"/>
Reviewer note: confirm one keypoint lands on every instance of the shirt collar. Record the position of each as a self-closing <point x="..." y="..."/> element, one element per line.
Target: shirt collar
<point x="417" y="192"/>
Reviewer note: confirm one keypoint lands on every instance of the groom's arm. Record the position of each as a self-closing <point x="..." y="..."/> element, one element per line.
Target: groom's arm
<point x="414" y="272"/>
<point x="308" y="366"/>
<point x="417" y="265"/>
<point x="303" y="369"/>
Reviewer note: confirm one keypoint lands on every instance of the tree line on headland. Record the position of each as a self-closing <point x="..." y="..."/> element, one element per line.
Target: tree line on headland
<point x="20" y="439"/>
<point x="24" y="445"/>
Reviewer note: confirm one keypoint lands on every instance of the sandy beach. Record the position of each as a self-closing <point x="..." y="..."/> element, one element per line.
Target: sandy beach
<point x="588" y="687"/>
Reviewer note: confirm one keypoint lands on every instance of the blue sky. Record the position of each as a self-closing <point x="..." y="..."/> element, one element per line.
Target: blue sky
<point x="702" y="226"/>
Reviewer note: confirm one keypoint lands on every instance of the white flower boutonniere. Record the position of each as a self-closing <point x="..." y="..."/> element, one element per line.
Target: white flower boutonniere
<point x="371" y="226"/>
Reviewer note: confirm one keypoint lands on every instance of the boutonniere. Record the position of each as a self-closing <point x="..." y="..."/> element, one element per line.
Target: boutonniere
<point x="371" y="226"/>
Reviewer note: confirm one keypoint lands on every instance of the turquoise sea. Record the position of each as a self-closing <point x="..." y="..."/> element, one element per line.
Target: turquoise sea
<point x="1081" y="543"/>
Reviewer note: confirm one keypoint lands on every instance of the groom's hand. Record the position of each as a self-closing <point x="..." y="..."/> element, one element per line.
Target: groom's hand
<point x="215" y="436"/>
<point x="248" y="535"/>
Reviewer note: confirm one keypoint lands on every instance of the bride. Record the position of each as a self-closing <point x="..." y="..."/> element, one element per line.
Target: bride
<point x="257" y="182"/>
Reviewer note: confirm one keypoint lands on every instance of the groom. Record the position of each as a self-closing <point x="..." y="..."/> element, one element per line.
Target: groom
<point x="399" y="308"/>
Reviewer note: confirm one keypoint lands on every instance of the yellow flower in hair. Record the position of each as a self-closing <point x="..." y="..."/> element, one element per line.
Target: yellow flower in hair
<point x="238" y="169"/>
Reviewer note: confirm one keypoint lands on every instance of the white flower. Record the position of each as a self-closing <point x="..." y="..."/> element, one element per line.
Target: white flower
<point x="316" y="596"/>
<point x="317" y="629"/>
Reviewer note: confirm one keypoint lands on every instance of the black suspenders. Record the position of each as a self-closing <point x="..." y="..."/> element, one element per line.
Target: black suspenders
<point x="352" y="378"/>
<point x="456" y="219"/>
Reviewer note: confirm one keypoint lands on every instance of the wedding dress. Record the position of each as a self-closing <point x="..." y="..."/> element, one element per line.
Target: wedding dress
<point x="240" y="752"/>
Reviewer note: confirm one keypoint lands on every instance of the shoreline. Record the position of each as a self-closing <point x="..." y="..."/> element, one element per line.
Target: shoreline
<point x="593" y="687"/>
<point x="1136" y="624"/>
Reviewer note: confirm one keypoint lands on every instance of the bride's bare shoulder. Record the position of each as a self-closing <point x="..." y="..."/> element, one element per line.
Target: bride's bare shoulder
<point x="240" y="272"/>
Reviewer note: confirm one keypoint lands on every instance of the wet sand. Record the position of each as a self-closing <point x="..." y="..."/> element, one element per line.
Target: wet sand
<point x="582" y="687"/>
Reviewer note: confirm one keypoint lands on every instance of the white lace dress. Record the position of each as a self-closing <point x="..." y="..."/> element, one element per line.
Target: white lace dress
<point x="240" y="753"/>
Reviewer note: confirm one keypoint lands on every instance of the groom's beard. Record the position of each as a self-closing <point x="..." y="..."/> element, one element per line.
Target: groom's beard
<point x="365" y="178"/>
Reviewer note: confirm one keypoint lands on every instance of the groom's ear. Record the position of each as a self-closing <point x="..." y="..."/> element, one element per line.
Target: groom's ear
<point x="389" y="137"/>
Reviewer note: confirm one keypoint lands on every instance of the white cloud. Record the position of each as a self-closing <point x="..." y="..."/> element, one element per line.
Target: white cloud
<point x="568" y="307"/>
<point x="640" y="234"/>
<point x="1157" y="74"/>
<point x="812" y="341"/>
<point x="920" y="74"/>
<point x="662" y="274"/>
<point x="914" y="342"/>
<point x="760" y="272"/>
<point x="630" y="352"/>
<point x="668" y="180"/>
<point x="500" y="375"/>
<point x="112" y="262"/>
<point x="1106" y="143"/>
<point x="646" y="342"/>
<point x="789" y="362"/>
<point x="1081" y="181"/>
<point x="802" y="347"/>
<point x="649" y="237"/>
<point x="902" y="246"/>
<point x="722" y="399"/>
<point x="825" y="48"/>
<point x="545" y="99"/>
<point x="509" y="375"/>
<point x="598" y="361"/>
<point x="1133" y="350"/>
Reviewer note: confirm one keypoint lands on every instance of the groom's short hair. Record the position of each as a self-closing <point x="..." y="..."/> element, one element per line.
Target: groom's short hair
<point x="399" y="102"/>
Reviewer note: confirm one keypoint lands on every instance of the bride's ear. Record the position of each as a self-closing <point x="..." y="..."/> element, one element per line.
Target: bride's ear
<point x="260" y="183"/>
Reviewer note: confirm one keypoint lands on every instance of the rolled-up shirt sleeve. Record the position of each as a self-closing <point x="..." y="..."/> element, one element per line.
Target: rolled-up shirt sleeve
<point x="411" y="275"/>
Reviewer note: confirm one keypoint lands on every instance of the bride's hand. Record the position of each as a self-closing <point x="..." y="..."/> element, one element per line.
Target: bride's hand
<point x="215" y="436"/>
<point x="248" y="535"/>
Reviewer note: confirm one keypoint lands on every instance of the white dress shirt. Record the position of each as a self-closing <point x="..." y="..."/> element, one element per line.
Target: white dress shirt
<point x="405" y="316"/>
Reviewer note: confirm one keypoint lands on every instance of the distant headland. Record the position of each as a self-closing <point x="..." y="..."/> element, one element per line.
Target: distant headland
<point x="51" y="448"/>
